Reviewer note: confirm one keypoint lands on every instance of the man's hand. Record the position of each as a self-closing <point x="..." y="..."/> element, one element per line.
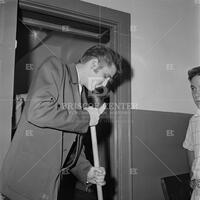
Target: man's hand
<point x="96" y="175"/>
<point x="95" y="113"/>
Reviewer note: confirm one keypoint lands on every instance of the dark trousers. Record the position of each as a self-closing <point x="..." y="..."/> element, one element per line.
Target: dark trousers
<point x="82" y="195"/>
<point x="68" y="190"/>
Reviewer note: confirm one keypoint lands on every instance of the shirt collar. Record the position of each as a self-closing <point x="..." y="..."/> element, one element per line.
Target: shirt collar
<point x="197" y="114"/>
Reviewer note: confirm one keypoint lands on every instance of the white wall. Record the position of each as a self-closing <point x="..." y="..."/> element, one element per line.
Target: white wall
<point x="165" y="44"/>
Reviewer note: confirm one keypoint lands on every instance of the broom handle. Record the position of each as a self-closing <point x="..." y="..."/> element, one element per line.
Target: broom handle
<point x="96" y="158"/>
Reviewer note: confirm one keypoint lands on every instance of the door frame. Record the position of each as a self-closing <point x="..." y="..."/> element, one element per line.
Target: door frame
<point x="119" y="24"/>
<point x="8" y="13"/>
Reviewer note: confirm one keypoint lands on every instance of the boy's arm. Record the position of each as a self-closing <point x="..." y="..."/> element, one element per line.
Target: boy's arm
<point x="190" y="155"/>
<point x="188" y="144"/>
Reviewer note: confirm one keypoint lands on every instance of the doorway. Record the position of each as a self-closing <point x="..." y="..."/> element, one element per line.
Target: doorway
<point x="40" y="36"/>
<point x="91" y="16"/>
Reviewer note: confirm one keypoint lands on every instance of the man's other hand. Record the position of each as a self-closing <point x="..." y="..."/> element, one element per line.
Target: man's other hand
<point x="96" y="175"/>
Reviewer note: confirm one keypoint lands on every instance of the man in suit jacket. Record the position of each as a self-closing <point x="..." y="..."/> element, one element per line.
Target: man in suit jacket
<point x="48" y="140"/>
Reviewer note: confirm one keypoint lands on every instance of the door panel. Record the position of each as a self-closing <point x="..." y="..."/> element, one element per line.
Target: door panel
<point x="8" y="17"/>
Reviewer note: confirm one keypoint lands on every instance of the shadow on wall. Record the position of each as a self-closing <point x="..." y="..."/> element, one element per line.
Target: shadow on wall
<point x="127" y="75"/>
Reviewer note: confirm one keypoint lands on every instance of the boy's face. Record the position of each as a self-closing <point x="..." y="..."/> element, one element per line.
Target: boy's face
<point x="195" y="87"/>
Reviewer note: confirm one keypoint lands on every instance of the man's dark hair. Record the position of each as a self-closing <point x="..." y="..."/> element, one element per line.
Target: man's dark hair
<point x="105" y="55"/>
<point x="193" y="72"/>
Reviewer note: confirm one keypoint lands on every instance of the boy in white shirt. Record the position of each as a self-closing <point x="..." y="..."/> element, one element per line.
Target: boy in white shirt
<point x="192" y="140"/>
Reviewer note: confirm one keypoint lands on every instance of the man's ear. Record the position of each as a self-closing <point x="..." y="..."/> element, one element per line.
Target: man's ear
<point x="94" y="64"/>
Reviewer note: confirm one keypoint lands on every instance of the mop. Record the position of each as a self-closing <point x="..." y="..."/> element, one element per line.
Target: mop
<point x="96" y="158"/>
<point x="97" y="100"/>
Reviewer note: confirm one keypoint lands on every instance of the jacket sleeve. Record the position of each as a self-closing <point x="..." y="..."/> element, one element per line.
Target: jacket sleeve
<point x="81" y="168"/>
<point x="45" y="109"/>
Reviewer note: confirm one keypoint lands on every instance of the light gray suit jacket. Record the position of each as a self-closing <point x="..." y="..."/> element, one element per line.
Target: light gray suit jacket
<point x="45" y="134"/>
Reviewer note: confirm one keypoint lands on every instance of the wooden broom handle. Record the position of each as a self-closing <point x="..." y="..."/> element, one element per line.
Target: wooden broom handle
<point x="96" y="158"/>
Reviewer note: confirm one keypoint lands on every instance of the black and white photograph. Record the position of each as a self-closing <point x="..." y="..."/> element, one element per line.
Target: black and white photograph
<point x="99" y="100"/>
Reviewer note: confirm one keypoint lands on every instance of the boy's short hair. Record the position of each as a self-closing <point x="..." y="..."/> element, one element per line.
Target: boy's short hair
<point x="104" y="55"/>
<point x="193" y="72"/>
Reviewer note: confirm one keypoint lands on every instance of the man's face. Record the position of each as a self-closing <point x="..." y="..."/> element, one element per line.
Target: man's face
<point x="195" y="87"/>
<point x="99" y="77"/>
